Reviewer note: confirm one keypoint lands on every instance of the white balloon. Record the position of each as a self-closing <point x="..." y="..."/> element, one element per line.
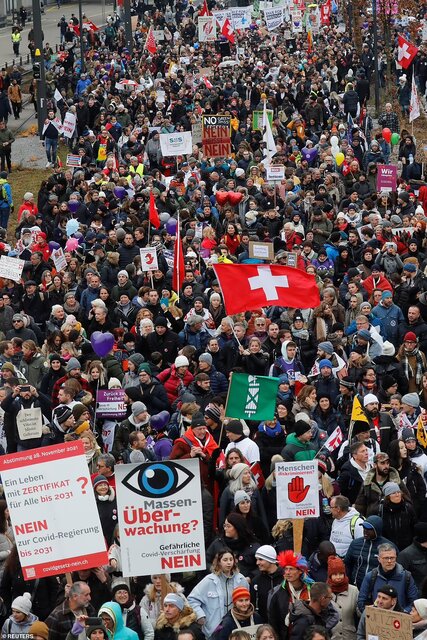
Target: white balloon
<point x="334" y="140"/>
<point x="164" y="217"/>
<point x="335" y="151"/>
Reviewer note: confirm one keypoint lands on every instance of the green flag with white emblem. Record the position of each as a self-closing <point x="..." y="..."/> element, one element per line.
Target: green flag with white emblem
<point x="251" y="397"/>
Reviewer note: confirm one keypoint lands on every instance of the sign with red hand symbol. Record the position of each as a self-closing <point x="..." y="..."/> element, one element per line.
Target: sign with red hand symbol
<point x="297" y="490"/>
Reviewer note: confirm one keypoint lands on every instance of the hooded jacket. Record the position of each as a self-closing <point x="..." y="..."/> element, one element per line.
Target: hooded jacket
<point x="414" y="559"/>
<point x="345" y="530"/>
<point x="362" y="554"/>
<point x="119" y="632"/>
<point x="296" y="450"/>
<point x="303" y="616"/>
<point x="370" y="495"/>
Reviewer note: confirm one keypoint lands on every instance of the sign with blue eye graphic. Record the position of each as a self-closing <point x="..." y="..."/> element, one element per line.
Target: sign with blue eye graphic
<point x="160" y="517"/>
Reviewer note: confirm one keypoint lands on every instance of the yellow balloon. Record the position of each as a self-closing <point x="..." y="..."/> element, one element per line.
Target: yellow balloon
<point x="339" y="159"/>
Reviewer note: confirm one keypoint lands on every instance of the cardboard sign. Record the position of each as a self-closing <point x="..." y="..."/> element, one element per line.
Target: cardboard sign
<point x="58" y="258"/>
<point x="177" y="143"/>
<point x="216" y="136"/>
<point x="275" y="172"/>
<point x="159" y="35"/>
<point x="297" y="490"/>
<point x="149" y="259"/>
<point x="11" y="268"/>
<point x="29" y="423"/>
<point x="53" y="510"/>
<point x="388" y="625"/>
<point x="387" y="178"/>
<point x="73" y="160"/>
<point x="160" y="517"/>
<point x="261" y="250"/>
<point x="110" y="403"/>
<point x="257" y="117"/>
<point x="69" y="125"/>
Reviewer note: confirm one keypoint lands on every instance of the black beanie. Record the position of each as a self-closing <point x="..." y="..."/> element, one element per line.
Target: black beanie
<point x="301" y="426"/>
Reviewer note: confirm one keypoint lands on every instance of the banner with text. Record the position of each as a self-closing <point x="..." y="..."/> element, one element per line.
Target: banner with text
<point x="110" y="403"/>
<point x="386" y="178"/>
<point x="216" y="140"/>
<point x="43" y="487"/>
<point x="160" y="516"/>
<point x="177" y="143"/>
<point x="297" y="490"/>
<point x="11" y="268"/>
<point x="273" y="18"/>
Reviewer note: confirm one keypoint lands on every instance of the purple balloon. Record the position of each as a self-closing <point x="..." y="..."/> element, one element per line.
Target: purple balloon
<point x="309" y="154"/>
<point x="73" y="205"/>
<point x="159" y="421"/>
<point x="120" y="192"/>
<point x="171" y="226"/>
<point x="102" y="343"/>
<point x="53" y="245"/>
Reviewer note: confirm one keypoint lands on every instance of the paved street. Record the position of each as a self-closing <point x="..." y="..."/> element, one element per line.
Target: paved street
<point x="94" y="11"/>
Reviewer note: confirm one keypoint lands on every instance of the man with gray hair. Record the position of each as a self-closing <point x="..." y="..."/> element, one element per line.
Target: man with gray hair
<point x="76" y="603"/>
<point x="105" y="467"/>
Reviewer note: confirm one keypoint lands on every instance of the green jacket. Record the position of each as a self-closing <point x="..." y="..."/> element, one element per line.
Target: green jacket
<point x="295" y="451"/>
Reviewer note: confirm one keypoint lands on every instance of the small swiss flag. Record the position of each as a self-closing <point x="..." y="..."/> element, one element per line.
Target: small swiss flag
<point x="227" y="31"/>
<point x="406" y="52"/>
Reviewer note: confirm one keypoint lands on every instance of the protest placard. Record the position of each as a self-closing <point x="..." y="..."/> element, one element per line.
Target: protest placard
<point x="297" y="490"/>
<point x="110" y="403"/>
<point x="386" y="178"/>
<point x="43" y="487"/>
<point x="275" y="172"/>
<point x="149" y="259"/>
<point x="261" y="250"/>
<point x="11" y="268"/>
<point x="207" y="28"/>
<point x="383" y="624"/>
<point x="69" y="125"/>
<point x="273" y="17"/>
<point x="177" y="143"/>
<point x="257" y="119"/>
<point x="216" y="136"/>
<point x="58" y="258"/>
<point x="29" y="423"/>
<point x="160" y="517"/>
<point x="73" y="160"/>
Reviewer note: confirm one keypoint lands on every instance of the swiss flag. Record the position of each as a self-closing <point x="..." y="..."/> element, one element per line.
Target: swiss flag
<point x="150" y="43"/>
<point x="208" y="84"/>
<point x="406" y="52"/>
<point x="153" y="214"/>
<point x="90" y="25"/>
<point x="250" y="286"/>
<point x="204" y="11"/>
<point x="257" y="474"/>
<point x="221" y="462"/>
<point x="227" y="31"/>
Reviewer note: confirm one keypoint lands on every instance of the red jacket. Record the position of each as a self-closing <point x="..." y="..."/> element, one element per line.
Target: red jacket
<point x="182" y="448"/>
<point x="172" y="383"/>
<point x="380" y="283"/>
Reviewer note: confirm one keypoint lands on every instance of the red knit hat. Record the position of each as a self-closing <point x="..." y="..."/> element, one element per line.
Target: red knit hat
<point x="240" y="592"/>
<point x="410" y="336"/>
<point x="335" y="565"/>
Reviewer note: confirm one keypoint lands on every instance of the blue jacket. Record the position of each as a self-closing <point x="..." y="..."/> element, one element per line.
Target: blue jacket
<point x="389" y="321"/>
<point x="211" y="598"/>
<point x="120" y="632"/>
<point x="402" y="581"/>
<point x="362" y="554"/>
<point x="8" y="201"/>
<point x="219" y="383"/>
<point x="198" y="340"/>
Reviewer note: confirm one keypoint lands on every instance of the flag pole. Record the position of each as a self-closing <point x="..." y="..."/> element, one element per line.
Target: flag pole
<point x="178" y="250"/>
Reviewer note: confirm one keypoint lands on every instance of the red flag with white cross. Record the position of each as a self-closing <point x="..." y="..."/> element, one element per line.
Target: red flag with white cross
<point x="227" y="31"/>
<point x="250" y="286"/>
<point x="150" y="43"/>
<point x="406" y="52"/>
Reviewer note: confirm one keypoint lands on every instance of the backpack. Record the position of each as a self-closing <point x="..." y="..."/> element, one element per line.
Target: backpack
<point x="374" y="576"/>
<point x="3" y="193"/>
<point x="353" y="523"/>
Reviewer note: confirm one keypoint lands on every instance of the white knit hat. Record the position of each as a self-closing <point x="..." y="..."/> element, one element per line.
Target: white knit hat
<point x="23" y="603"/>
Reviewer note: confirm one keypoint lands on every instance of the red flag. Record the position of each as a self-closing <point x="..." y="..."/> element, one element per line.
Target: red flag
<point x="153" y="214"/>
<point x="325" y="12"/>
<point x="208" y="84"/>
<point x="227" y="31"/>
<point x="406" y="52"/>
<point x="90" y="25"/>
<point x="205" y="9"/>
<point x="75" y="28"/>
<point x="150" y="43"/>
<point x="178" y="263"/>
<point x="263" y="285"/>
<point x="257" y="474"/>
<point x="221" y="462"/>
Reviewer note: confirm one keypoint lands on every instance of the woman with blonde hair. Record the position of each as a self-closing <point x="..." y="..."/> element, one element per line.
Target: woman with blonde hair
<point x="211" y="598"/>
<point x="305" y="401"/>
<point x="323" y="321"/>
<point x="96" y="375"/>
<point x="241" y="481"/>
<point x="155" y="593"/>
<point x="92" y="450"/>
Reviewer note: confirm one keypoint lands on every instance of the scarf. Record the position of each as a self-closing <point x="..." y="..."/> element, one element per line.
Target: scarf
<point x="238" y="616"/>
<point x="409" y="373"/>
<point x="300" y="333"/>
<point x="338" y="587"/>
<point x="208" y="446"/>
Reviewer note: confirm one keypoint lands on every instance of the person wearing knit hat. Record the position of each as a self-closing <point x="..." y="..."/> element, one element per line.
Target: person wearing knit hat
<point x="19" y="623"/>
<point x="241" y="615"/>
<point x="73" y="365"/>
<point x="176" y="615"/>
<point x="344" y="597"/>
<point x="326" y="348"/>
<point x="389" y="489"/>
<point x="80" y="411"/>
<point x="370" y="399"/>
<point x="419" y="614"/>
<point x="114" y="383"/>
<point x="234" y="430"/>
<point x="241" y="496"/>
<point x="298" y="446"/>
<point x="38" y="631"/>
<point x="62" y="420"/>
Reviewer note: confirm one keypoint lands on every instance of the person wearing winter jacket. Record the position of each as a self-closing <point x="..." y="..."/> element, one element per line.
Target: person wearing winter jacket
<point x="347" y="524"/>
<point x="137" y="421"/>
<point x="362" y="554"/>
<point x="133" y="617"/>
<point x="19" y="622"/>
<point x="241" y="615"/>
<point x="112" y="617"/>
<point x="154" y="391"/>
<point x="176" y="615"/>
<point x="354" y="471"/>
<point x="154" y="593"/>
<point x="344" y="597"/>
<point x="398" y="516"/>
<point x="106" y="503"/>
<point x="318" y="610"/>
<point x="175" y="378"/>
<point x="211" y="598"/>
<point x="414" y="557"/>
<point x="268" y="577"/>
<point x="198" y="443"/>
<point x="390" y="317"/>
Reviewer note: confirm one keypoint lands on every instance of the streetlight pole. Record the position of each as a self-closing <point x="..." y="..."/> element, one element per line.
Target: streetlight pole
<point x="128" y="26"/>
<point x="376" y="69"/>
<point x="41" y="82"/>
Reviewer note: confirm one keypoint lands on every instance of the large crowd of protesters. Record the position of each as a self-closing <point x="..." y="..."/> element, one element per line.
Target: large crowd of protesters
<point x="175" y="346"/>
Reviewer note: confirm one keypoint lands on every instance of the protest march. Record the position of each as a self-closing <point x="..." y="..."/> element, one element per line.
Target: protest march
<point x="213" y="327"/>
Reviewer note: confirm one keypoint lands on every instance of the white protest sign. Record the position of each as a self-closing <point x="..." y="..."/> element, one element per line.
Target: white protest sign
<point x="11" y="268"/>
<point x="69" y="124"/>
<point x="241" y="17"/>
<point x="196" y="132"/>
<point x="149" y="259"/>
<point x="177" y="143"/>
<point x="297" y="490"/>
<point x="160" y="517"/>
<point x="273" y="18"/>
<point x="207" y="28"/>
<point x="42" y="488"/>
<point x="159" y="35"/>
<point x="58" y="258"/>
<point x="275" y="172"/>
<point x="29" y="423"/>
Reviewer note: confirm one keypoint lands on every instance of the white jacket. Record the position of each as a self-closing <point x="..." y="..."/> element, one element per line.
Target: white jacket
<point x="341" y="533"/>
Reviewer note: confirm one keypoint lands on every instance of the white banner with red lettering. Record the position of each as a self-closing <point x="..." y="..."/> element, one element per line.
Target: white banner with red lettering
<point x="53" y="511"/>
<point x="297" y="490"/>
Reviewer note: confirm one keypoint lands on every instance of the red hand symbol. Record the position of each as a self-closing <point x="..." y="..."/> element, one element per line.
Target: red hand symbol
<point x="296" y="490"/>
<point x="149" y="258"/>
